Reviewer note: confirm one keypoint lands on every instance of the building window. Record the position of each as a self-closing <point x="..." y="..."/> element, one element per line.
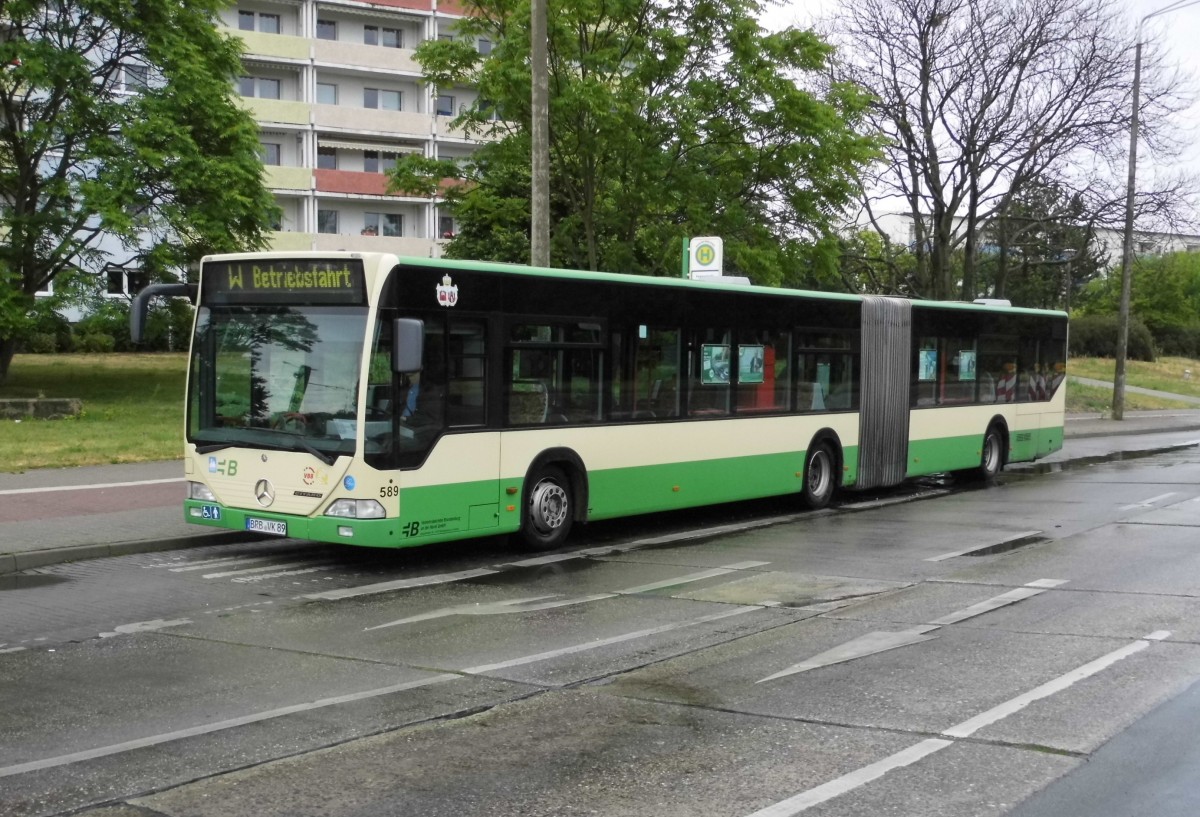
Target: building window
<point x="260" y="87"/>
<point x="387" y="37"/>
<point x="270" y="153"/>
<point x="484" y="46"/>
<point x="326" y="158"/>
<point x="251" y="21"/>
<point x="445" y="105"/>
<point x="391" y="224"/>
<point x="327" y="221"/>
<point x="116" y="281"/>
<point x="326" y="30"/>
<point x="373" y="161"/>
<point x="137" y="77"/>
<point x="326" y="93"/>
<point x="446" y="226"/>
<point x="381" y="99"/>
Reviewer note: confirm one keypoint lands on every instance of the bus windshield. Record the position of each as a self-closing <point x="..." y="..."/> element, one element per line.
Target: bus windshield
<point x="281" y="377"/>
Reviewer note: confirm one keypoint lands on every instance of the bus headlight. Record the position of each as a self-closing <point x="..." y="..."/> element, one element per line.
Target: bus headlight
<point x="198" y="490"/>
<point x="357" y="509"/>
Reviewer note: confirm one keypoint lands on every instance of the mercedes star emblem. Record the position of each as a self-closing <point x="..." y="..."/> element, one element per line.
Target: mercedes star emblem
<point x="264" y="492"/>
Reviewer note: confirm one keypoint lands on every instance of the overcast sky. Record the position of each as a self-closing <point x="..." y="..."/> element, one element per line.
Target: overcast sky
<point x="1178" y="31"/>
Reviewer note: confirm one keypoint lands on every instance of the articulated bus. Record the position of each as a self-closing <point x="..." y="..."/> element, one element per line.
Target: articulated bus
<point x="373" y="400"/>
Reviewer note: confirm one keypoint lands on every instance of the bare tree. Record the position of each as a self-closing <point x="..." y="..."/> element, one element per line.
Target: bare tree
<point x="981" y="98"/>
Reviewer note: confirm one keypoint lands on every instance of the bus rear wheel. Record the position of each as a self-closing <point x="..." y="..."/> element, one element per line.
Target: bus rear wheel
<point x="549" y="508"/>
<point x="819" y="482"/>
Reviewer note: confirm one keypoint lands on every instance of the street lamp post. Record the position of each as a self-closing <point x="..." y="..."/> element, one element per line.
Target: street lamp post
<point x="1118" y="404"/>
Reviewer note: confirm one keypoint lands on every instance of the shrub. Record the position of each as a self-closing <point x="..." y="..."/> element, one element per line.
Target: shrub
<point x="41" y="343"/>
<point x="94" y="342"/>
<point x="1178" y="341"/>
<point x="168" y="326"/>
<point x="110" y="318"/>
<point x="1096" y="336"/>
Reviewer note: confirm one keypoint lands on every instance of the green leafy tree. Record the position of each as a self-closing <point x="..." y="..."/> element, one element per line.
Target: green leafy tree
<point x="119" y="130"/>
<point x="666" y="120"/>
<point x="1165" y="292"/>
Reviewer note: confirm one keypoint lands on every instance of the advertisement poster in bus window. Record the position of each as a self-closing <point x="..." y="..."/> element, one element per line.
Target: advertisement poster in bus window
<point x="714" y="364"/>
<point x="750" y="364"/>
<point x="966" y="364"/>
<point x="927" y="365"/>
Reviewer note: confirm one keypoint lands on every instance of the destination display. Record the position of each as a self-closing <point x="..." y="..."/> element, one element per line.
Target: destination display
<point x="284" y="281"/>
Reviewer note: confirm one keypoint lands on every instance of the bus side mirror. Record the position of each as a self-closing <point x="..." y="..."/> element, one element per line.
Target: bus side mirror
<point x="408" y="344"/>
<point x="141" y="304"/>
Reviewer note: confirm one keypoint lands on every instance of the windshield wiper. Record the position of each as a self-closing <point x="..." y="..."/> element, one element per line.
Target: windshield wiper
<point x="328" y="459"/>
<point x="211" y="447"/>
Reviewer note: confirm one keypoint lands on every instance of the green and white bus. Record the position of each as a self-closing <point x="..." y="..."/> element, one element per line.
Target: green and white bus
<point x="374" y="400"/>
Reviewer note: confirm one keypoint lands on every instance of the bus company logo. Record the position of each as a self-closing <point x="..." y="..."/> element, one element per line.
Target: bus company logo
<point x="310" y="475"/>
<point x="447" y="292"/>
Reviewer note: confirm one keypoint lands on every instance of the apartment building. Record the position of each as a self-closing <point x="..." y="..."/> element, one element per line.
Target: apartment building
<point x="338" y="96"/>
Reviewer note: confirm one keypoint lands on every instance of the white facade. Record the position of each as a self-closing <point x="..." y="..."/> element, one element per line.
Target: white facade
<point x="337" y="95"/>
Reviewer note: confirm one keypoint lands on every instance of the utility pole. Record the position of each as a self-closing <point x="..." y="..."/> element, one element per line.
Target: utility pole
<point x="540" y="132"/>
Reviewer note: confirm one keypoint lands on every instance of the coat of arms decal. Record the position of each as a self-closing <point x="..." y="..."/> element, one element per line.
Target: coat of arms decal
<point x="447" y="292"/>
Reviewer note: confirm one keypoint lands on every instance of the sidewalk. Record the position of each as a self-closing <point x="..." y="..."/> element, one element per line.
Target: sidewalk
<point x="52" y="516"/>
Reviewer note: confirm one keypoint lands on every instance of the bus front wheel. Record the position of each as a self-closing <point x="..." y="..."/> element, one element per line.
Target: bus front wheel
<point x="546" y="521"/>
<point x="819" y="481"/>
<point x="992" y="457"/>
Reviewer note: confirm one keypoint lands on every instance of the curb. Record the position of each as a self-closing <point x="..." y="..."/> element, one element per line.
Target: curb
<point x="1128" y="432"/>
<point x="16" y="562"/>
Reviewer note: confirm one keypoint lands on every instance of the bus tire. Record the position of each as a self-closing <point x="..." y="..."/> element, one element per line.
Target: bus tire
<point x="991" y="459"/>
<point x="548" y="510"/>
<point x="819" y="481"/>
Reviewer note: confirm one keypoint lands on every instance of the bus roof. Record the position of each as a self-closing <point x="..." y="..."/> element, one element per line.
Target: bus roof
<point x="640" y="280"/>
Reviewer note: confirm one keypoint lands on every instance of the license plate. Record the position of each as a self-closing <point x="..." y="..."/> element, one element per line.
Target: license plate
<point x="266" y="526"/>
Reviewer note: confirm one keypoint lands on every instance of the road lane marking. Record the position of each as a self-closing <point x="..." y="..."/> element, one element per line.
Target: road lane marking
<point x="879" y="641"/>
<point x="92" y="487"/>
<point x="401" y="584"/>
<point x="1147" y="503"/>
<point x="531" y="604"/>
<point x="218" y="726"/>
<point x="906" y="757"/>
<point x="849" y="782"/>
<point x="996" y="602"/>
<point x="316" y="564"/>
<point x="604" y="642"/>
<point x="973" y="725"/>
<point x="549" y="602"/>
<point x="693" y="577"/>
<point x="861" y="647"/>
<point x="210" y="564"/>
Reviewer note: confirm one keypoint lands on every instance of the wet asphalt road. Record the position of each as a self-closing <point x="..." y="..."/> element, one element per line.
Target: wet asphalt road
<point x="952" y="655"/>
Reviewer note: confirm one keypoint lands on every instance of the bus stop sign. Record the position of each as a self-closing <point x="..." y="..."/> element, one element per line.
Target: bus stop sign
<point x="705" y="257"/>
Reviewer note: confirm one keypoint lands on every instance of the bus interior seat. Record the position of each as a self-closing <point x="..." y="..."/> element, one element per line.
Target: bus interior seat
<point x="812" y="396"/>
<point x="528" y="402"/>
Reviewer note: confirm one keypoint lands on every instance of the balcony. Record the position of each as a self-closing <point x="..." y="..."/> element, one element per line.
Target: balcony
<point x="288" y="178"/>
<point x="280" y="46"/>
<point x="419" y="247"/>
<point x="391" y="60"/>
<point x="394" y="124"/>
<point x="281" y="111"/>
<point x="352" y="182"/>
